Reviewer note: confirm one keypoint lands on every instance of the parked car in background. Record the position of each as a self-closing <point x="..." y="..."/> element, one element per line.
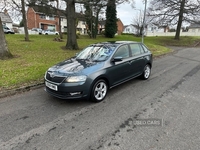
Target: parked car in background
<point x="49" y="32"/>
<point x="98" y="68"/>
<point x="37" y="30"/>
<point x="8" y="30"/>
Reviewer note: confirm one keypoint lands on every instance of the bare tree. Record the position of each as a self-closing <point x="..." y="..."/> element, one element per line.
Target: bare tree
<point x="18" y="6"/>
<point x="4" y="52"/>
<point x="71" y="17"/>
<point x="59" y="18"/>
<point x="14" y="12"/>
<point x="93" y="10"/>
<point x="173" y="12"/>
<point x="58" y="13"/>
<point x="138" y="22"/>
<point x="24" y="19"/>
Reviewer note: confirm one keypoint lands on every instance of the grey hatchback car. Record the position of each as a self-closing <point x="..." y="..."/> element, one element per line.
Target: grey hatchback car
<point x="97" y="68"/>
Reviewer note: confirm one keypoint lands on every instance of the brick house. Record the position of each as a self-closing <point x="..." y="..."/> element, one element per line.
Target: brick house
<point x="120" y="26"/>
<point x="37" y="19"/>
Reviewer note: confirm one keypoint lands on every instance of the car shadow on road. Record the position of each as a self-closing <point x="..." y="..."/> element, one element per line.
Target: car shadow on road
<point x="58" y="101"/>
<point x="80" y="102"/>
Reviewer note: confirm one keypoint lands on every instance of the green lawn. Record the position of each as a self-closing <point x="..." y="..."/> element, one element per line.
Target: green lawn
<point x="32" y="59"/>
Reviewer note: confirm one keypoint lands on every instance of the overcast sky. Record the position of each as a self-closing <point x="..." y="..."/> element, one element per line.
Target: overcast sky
<point x="126" y="13"/>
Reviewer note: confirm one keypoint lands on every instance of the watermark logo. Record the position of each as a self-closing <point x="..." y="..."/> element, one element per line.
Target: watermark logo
<point x="148" y="122"/>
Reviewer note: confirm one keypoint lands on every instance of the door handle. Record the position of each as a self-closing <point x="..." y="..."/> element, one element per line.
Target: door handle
<point x="130" y="62"/>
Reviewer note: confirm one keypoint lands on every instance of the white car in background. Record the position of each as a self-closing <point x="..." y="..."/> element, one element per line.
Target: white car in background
<point x="8" y="30"/>
<point x="49" y="32"/>
<point x="37" y="30"/>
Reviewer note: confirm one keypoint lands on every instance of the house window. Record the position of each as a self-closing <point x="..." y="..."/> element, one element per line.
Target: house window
<point x="51" y="18"/>
<point x="42" y="16"/>
<point x="51" y="27"/>
<point x="127" y="30"/>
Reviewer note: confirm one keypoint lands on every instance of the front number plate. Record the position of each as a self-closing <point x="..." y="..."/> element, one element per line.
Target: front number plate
<point x="51" y="86"/>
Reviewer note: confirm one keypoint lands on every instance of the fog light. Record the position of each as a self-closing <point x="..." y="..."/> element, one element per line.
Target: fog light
<point x="75" y="93"/>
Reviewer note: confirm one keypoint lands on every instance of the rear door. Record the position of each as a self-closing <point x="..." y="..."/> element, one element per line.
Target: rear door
<point x="137" y="62"/>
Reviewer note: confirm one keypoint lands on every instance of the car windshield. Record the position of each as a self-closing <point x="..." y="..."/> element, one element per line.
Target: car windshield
<point x="96" y="52"/>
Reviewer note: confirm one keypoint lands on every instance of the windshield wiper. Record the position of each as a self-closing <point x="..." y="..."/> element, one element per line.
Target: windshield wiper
<point x="97" y="60"/>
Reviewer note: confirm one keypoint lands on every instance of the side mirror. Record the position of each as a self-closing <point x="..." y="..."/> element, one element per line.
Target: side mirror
<point x="117" y="59"/>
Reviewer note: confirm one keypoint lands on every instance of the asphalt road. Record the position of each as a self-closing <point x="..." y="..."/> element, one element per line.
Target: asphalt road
<point x="160" y="113"/>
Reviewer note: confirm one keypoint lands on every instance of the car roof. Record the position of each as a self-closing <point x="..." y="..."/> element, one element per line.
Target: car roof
<point x="115" y="42"/>
<point x="118" y="42"/>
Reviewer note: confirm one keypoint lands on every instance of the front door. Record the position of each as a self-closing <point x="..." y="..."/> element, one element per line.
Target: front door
<point x="120" y="71"/>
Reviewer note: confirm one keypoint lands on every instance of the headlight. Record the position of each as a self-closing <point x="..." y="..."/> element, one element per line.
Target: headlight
<point x="76" y="78"/>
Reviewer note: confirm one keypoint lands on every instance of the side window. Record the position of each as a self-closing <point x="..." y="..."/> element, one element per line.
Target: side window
<point x="136" y="49"/>
<point x="123" y="52"/>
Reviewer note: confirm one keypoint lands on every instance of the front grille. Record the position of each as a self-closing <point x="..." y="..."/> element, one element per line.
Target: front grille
<point x="55" y="79"/>
<point x="58" y="92"/>
<point x="62" y="93"/>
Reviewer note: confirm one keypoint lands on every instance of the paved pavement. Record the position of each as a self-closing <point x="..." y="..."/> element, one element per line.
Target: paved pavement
<point x="160" y="113"/>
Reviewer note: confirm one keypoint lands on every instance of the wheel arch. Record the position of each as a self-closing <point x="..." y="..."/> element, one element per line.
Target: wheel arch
<point x="149" y="64"/>
<point x="99" y="78"/>
<point x="94" y="82"/>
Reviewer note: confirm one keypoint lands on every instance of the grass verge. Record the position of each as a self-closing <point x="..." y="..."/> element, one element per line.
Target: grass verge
<point x="32" y="59"/>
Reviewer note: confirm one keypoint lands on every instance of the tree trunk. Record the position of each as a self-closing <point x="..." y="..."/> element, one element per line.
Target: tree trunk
<point x="71" y="26"/>
<point x="96" y="22"/>
<point x="4" y="52"/>
<point x="58" y="13"/>
<point x="60" y="28"/>
<point x="25" y="21"/>
<point x="178" y="29"/>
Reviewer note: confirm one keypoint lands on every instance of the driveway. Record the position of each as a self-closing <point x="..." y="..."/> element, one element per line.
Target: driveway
<point x="160" y="113"/>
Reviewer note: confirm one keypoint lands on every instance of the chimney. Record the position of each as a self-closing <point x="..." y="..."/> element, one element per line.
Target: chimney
<point x="5" y="11"/>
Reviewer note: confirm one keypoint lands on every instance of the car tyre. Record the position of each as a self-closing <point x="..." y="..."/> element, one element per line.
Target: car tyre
<point x="99" y="91"/>
<point x="146" y="73"/>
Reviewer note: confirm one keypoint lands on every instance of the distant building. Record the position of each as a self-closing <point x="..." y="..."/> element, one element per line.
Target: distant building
<point x="120" y="26"/>
<point x="6" y="20"/>
<point x="131" y="29"/>
<point x="102" y="23"/>
<point x="39" y="18"/>
<point x="195" y="27"/>
<point x="154" y="28"/>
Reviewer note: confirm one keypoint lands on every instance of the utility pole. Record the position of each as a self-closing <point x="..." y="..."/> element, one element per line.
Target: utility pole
<point x="143" y="26"/>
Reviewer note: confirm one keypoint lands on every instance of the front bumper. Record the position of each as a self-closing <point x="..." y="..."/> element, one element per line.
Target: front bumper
<point x="70" y="90"/>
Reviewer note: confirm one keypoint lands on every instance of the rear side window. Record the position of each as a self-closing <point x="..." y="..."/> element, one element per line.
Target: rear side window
<point x="145" y="48"/>
<point x="136" y="49"/>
